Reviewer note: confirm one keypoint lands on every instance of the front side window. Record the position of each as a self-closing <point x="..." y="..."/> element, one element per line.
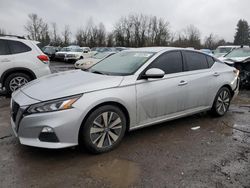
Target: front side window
<point x="123" y="63"/>
<point x="195" y="61"/>
<point x="17" y="47"/>
<point x="169" y="62"/>
<point x="4" y="48"/>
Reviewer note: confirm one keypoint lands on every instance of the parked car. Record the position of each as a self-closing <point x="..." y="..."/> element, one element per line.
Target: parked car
<point x="60" y="55"/>
<point x="88" y="62"/>
<point x="50" y="51"/>
<point x="21" y="61"/>
<point x="77" y="53"/>
<point x="127" y="91"/>
<point x="223" y="50"/>
<point x="207" y="51"/>
<point x="240" y="59"/>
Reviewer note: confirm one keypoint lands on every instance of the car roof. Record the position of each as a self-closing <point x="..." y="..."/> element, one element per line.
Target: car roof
<point x="152" y="49"/>
<point x="157" y="49"/>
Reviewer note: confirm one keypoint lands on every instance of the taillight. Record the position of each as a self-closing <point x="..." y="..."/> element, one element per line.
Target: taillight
<point x="43" y="58"/>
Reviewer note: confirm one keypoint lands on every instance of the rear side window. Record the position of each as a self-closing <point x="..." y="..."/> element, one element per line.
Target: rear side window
<point x="169" y="62"/>
<point x="4" y="48"/>
<point x="195" y="61"/>
<point x="17" y="47"/>
<point x="210" y="61"/>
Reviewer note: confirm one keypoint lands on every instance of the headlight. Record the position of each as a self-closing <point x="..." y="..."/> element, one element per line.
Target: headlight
<point x="53" y="105"/>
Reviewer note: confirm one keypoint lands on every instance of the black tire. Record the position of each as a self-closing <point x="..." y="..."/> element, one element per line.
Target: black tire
<point x="11" y="77"/>
<point x="221" y="102"/>
<point x="90" y="140"/>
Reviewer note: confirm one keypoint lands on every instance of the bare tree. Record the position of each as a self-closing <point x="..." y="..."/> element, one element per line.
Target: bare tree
<point x="141" y="30"/>
<point x="37" y="29"/>
<point x="33" y="26"/>
<point x="2" y="31"/>
<point x="66" y="35"/>
<point x="55" y="37"/>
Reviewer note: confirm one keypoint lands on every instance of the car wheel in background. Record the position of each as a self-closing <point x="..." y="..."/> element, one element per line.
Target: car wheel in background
<point x="222" y="102"/>
<point x="15" y="81"/>
<point x="103" y="129"/>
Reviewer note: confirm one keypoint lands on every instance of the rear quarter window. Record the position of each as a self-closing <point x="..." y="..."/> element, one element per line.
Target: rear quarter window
<point x="210" y="61"/>
<point x="17" y="47"/>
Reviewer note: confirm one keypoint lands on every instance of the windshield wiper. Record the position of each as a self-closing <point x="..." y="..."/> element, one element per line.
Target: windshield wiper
<point x="98" y="72"/>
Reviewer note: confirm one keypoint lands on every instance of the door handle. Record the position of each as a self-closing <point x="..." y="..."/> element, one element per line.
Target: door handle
<point x="5" y="60"/>
<point x="216" y="74"/>
<point x="182" y="83"/>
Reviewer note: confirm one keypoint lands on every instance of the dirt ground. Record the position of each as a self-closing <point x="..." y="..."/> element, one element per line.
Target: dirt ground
<point x="217" y="154"/>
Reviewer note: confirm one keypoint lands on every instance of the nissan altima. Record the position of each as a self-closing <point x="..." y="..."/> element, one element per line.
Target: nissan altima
<point x="129" y="90"/>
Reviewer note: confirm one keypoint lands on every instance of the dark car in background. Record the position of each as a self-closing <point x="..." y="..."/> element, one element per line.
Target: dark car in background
<point x="50" y="51"/>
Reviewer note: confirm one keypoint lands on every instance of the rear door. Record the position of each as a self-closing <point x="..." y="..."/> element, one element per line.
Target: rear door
<point x="200" y="79"/>
<point x="5" y="57"/>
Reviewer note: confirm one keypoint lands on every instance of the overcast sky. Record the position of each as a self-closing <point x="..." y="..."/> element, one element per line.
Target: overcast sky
<point x="210" y="16"/>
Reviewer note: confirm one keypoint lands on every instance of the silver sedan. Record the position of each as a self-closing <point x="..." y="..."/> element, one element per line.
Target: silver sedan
<point x="126" y="91"/>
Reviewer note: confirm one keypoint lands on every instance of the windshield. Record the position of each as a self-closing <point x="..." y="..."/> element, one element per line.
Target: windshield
<point x="64" y="49"/>
<point x="240" y="52"/>
<point x="76" y="50"/>
<point x="223" y="50"/>
<point x="123" y="63"/>
<point x="49" y="49"/>
<point x="100" y="55"/>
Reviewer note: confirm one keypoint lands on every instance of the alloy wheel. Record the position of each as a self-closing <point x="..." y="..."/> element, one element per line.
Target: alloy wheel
<point x="223" y="102"/>
<point x="106" y="129"/>
<point x="17" y="82"/>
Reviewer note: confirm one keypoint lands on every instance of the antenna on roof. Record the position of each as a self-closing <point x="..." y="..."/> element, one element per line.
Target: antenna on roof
<point x="19" y="37"/>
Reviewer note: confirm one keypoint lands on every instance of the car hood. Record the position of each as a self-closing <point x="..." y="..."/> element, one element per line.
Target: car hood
<point x="91" y="60"/>
<point x="235" y="59"/>
<point x="68" y="83"/>
<point x="77" y="53"/>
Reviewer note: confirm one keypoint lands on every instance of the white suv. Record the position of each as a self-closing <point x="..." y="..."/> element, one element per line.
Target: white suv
<point x="21" y="61"/>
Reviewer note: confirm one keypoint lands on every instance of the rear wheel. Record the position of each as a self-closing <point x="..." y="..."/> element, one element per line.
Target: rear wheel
<point x="103" y="129"/>
<point x="221" y="102"/>
<point x="15" y="81"/>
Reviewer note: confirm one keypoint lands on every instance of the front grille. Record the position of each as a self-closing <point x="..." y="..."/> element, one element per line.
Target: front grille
<point x="15" y="107"/>
<point x="60" y="55"/>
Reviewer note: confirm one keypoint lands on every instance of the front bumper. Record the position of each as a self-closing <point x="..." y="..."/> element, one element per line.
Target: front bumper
<point x="65" y="124"/>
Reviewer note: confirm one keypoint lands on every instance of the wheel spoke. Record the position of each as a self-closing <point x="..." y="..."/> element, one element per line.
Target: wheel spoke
<point x="117" y="127"/>
<point x="101" y="141"/>
<point x="116" y="122"/>
<point x="98" y="124"/>
<point x="97" y="138"/>
<point x="96" y="130"/>
<point x="113" y="136"/>
<point x="110" y="117"/>
<point x="109" y="140"/>
<point x="105" y="118"/>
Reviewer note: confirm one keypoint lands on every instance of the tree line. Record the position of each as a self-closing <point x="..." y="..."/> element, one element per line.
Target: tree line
<point x="134" y="30"/>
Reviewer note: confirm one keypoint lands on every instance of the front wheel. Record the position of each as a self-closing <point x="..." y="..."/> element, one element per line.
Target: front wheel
<point x="103" y="129"/>
<point x="222" y="102"/>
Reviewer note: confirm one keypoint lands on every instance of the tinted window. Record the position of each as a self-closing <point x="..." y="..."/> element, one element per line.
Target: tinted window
<point x="18" y="47"/>
<point x="4" y="49"/>
<point x="170" y="62"/>
<point x="210" y="61"/>
<point x="195" y="61"/>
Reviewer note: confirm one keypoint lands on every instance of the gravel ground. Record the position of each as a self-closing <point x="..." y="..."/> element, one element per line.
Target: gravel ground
<point x="217" y="154"/>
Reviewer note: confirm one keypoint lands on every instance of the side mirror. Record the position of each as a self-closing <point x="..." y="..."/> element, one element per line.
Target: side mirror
<point x="154" y="73"/>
